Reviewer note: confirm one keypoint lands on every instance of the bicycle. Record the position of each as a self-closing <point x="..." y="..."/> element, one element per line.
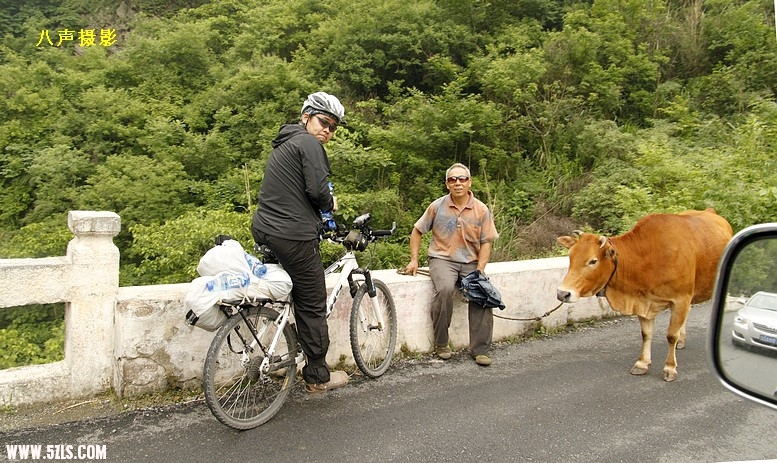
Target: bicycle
<point x="252" y="362"/>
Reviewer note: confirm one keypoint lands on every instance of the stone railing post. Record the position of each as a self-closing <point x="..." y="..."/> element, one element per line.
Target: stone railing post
<point x="89" y="333"/>
<point x="87" y="281"/>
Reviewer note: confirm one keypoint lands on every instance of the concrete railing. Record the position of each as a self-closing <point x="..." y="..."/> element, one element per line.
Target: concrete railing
<point x="87" y="281"/>
<point x="134" y="340"/>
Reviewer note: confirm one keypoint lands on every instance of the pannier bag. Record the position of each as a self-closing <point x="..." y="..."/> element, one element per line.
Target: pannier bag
<point x="228" y="273"/>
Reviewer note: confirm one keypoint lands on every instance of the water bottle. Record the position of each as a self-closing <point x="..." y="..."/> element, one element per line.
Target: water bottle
<point x="334" y="198"/>
<point x="327" y="219"/>
<point x="257" y="266"/>
<point x="228" y="281"/>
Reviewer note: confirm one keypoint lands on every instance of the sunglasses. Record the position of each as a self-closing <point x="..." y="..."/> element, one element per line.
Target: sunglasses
<point x="325" y="124"/>
<point x="460" y="178"/>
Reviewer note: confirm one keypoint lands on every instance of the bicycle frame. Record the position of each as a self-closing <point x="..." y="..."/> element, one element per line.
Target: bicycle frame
<point x="269" y="352"/>
<point x="350" y="267"/>
<point x="348" y="264"/>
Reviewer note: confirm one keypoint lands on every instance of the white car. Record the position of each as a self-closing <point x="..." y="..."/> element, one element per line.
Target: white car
<point x="756" y="323"/>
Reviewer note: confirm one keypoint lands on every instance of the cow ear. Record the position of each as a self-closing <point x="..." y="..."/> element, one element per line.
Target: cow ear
<point x="609" y="250"/>
<point x="566" y="241"/>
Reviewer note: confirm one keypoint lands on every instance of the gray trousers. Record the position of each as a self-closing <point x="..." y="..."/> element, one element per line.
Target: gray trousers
<point x="445" y="277"/>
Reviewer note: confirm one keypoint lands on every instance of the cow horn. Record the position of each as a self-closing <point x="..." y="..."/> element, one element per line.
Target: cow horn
<point x="576" y="233"/>
<point x="602" y="241"/>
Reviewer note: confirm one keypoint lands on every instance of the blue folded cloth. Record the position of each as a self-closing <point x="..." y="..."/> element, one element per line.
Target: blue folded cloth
<point x="477" y="288"/>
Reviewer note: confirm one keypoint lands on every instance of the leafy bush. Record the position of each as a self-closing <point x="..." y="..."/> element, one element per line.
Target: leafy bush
<point x="31" y="335"/>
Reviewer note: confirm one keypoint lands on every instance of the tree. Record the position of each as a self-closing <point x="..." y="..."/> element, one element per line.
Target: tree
<point x="368" y="45"/>
<point x="170" y="251"/>
<point x="139" y="189"/>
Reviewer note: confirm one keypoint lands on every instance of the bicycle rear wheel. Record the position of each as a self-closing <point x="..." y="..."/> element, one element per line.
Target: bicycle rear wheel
<point x="373" y="343"/>
<point x="240" y="390"/>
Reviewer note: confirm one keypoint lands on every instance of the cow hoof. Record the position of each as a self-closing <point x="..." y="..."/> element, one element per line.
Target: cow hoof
<point x="670" y="376"/>
<point x="638" y="371"/>
<point x="681" y="344"/>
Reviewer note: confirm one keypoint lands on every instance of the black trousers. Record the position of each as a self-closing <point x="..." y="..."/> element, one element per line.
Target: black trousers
<point x="302" y="261"/>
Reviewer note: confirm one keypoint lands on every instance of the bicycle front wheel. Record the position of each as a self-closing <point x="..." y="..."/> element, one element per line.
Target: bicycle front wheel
<point x="243" y="390"/>
<point x="373" y="332"/>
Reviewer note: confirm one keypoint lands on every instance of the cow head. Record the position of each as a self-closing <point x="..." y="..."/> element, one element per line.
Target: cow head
<point x="592" y="262"/>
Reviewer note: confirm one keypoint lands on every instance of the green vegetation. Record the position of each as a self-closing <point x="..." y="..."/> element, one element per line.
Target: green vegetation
<point x="571" y="113"/>
<point x="754" y="269"/>
<point x="31" y="335"/>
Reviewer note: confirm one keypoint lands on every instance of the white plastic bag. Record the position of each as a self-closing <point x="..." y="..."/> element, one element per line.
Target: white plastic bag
<point x="228" y="273"/>
<point x="201" y="305"/>
<point x="202" y="299"/>
<point x="228" y="256"/>
<point x="275" y="284"/>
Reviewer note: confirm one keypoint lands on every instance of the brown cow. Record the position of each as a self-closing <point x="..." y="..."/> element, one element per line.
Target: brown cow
<point x="667" y="261"/>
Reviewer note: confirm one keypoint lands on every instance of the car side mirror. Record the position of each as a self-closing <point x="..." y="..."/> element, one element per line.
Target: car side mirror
<point x="743" y="325"/>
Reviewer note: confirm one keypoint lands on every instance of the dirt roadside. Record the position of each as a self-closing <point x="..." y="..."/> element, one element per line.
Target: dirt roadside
<point x="41" y="415"/>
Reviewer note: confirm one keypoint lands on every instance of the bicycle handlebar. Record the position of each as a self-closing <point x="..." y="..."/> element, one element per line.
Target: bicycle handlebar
<point x="380" y="233"/>
<point x="361" y="224"/>
<point x="339" y="235"/>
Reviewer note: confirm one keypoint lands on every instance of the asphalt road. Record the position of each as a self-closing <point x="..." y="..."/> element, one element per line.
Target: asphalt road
<point x="568" y="398"/>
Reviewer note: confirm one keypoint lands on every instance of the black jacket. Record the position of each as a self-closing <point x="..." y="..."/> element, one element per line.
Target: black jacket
<point x="295" y="186"/>
<point x="477" y="288"/>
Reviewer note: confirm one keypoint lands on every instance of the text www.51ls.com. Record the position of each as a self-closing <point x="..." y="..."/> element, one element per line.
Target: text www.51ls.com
<point x="55" y="452"/>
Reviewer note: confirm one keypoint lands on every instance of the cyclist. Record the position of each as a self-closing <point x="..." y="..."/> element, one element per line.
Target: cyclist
<point x="462" y="232"/>
<point x="295" y="190"/>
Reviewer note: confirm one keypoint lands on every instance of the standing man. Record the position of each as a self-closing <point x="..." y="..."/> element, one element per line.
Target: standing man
<point x="462" y="232"/>
<point x="295" y="190"/>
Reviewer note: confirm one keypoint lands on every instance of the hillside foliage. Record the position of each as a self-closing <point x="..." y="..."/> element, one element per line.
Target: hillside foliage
<point x="571" y="114"/>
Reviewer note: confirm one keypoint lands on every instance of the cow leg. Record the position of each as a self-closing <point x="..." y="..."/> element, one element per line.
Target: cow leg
<point x="674" y="333"/>
<point x="642" y="365"/>
<point x="681" y="338"/>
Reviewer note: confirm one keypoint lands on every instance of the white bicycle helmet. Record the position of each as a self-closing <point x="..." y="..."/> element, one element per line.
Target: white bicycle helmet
<point x="322" y="102"/>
